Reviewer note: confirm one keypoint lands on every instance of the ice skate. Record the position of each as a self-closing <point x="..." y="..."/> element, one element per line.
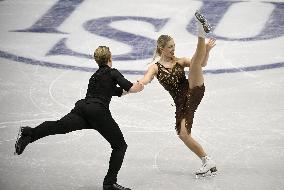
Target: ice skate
<point x="23" y="139"/>
<point x="115" y="187"/>
<point x="206" y="26"/>
<point x="208" y="168"/>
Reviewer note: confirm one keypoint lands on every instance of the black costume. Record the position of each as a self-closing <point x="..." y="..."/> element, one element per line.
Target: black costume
<point x="93" y="113"/>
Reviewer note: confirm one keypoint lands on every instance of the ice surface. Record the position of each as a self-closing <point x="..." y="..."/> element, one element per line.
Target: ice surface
<point x="239" y="122"/>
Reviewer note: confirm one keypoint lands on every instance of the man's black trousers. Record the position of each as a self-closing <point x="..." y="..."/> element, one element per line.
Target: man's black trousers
<point x="89" y="114"/>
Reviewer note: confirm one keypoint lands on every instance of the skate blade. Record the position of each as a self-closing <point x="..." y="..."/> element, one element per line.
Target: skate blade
<point x="200" y="17"/>
<point x="206" y="26"/>
<point x="16" y="144"/>
<point x="206" y="175"/>
<point x="210" y="173"/>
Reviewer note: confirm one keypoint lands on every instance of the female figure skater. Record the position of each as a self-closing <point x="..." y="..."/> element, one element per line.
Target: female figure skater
<point x="92" y="113"/>
<point x="186" y="93"/>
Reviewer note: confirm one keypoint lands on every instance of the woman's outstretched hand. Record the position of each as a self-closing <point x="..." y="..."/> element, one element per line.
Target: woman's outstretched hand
<point x="137" y="87"/>
<point x="210" y="44"/>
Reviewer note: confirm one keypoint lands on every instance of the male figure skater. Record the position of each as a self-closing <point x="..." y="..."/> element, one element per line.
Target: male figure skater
<point x="92" y="113"/>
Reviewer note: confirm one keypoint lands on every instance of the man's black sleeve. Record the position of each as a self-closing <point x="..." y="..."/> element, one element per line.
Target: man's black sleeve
<point x="117" y="91"/>
<point x="121" y="81"/>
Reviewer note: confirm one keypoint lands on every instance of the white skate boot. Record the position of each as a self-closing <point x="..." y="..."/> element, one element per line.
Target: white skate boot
<point x="208" y="168"/>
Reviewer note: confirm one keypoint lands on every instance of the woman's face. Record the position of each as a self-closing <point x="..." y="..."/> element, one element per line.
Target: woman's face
<point x="169" y="49"/>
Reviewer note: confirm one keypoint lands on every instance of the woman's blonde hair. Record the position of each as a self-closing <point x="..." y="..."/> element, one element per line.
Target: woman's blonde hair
<point x="102" y="55"/>
<point x="161" y="43"/>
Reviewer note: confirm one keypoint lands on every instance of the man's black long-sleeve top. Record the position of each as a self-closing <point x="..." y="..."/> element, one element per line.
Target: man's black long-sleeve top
<point x="103" y="85"/>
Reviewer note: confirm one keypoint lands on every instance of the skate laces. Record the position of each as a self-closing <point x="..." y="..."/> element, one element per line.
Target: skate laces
<point x="205" y="159"/>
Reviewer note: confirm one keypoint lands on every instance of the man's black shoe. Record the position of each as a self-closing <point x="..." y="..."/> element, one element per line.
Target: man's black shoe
<point x="115" y="187"/>
<point x="23" y="139"/>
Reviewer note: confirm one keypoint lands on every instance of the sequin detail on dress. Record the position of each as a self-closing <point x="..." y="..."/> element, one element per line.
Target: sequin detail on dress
<point x="186" y="100"/>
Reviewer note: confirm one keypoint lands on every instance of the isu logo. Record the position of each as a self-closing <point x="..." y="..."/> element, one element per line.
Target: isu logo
<point x="64" y="33"/>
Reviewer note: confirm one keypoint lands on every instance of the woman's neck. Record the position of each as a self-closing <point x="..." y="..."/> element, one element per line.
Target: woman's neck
<point x="166" y="59"/>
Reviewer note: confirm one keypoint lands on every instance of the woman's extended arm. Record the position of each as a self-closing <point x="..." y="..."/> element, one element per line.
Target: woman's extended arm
<point x="137" y="87"/>
<point x="149" y="75"/>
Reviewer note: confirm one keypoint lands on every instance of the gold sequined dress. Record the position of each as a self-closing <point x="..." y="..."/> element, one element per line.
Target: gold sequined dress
<point x="186" y="100"/>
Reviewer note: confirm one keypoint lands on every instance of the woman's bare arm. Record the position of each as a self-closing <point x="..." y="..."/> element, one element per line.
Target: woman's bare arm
<point x="149" y="75"/>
